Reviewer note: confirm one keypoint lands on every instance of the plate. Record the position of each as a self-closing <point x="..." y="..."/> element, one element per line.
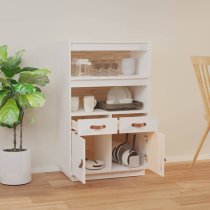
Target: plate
<point x="118" y="93"/>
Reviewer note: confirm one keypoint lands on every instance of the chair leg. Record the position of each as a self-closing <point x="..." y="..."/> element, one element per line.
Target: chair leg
<point x="205" y="133"/>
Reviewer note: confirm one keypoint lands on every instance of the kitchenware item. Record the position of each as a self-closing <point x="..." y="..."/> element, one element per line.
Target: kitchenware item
<point x="112" y="107"/>
<point x="130" y="157"/>
<point x="128" y="66"/>
<point x="121" y="148"/>
<point x="115" y="144"/>
<point x="117" y="93"/>
<point x="74" y="103"/>
<point x="89" y="103"/>
<point x="109" y="102"/>
<point x="82" y="67"/>
<point x="94" y="164"/>
<point x="126" y="101"/>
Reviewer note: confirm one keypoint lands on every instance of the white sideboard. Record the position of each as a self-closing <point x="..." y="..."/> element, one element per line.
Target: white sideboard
<point x="77" y="139"/>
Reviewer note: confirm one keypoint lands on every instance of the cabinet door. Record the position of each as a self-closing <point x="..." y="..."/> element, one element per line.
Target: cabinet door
<point x="78" y="157"/>
<point x="156" y="153"/>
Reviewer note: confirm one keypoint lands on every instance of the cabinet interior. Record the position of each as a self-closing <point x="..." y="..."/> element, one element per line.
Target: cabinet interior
<point x="141" y="58"/>
<point x="138" y="93"/>
<point x="100" y="147"/>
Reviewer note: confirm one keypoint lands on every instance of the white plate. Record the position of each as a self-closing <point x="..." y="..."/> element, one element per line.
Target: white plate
<point x="118" y="93"/>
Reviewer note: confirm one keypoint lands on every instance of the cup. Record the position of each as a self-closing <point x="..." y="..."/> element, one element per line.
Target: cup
<point x="89" y="103"/>
<point x="128" y="66"/>
<point x="74" y="103"/>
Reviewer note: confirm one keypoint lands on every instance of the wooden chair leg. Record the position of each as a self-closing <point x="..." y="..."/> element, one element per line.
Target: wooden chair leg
<point x="205" y="133"/>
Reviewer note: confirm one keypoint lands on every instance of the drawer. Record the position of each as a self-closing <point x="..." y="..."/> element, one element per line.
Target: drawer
<point x="137" y="124"/>
<point x="100" y="126"/>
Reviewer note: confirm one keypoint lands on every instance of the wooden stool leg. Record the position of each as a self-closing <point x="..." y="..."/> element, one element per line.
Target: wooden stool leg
<point x="205" y="133"/>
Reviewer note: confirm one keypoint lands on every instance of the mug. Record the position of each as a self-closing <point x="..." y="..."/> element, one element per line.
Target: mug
<point x="74" y="103"/>
<point x="89" y="103"/>
<point x="128" y="66"/>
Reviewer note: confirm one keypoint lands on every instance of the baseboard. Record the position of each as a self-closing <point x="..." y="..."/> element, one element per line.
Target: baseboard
<point x="171" y="159"/>
<point x="45" y="169"/>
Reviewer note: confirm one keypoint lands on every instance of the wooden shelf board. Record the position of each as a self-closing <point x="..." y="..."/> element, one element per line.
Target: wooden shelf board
<point x="118" y="167"/>
<point x="103" y="170"/>
<point x="120" y="77"/>
<point x="104" y="112"/>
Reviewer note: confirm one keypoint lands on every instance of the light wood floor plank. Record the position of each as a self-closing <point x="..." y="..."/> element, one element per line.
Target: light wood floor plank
<point x="180" y="189"/>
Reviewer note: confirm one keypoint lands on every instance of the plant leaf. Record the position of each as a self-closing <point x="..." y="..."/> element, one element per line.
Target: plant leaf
<point x="11" y="65"/>
<point x="24" y="89"/>
<point x="23" y="102"/>
<point x="37" y="77"/>
<point x="27" y="69"/>
<point x="9" y="114"/>
<point x="36" y="100"/>
<point x="3" y="53"/>
<point x="4" y="81"/>
<point x="3" y="98"/>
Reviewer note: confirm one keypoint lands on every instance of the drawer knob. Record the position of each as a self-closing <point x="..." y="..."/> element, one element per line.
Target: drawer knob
<point x="97" y="127"/>
<point x="81" y="164"/>
<point x="138" y="125"/>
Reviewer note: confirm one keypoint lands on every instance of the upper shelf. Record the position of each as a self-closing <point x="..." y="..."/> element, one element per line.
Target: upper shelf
<point x="122" y="80"/>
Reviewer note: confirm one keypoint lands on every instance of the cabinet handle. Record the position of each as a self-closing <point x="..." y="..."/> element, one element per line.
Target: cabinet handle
<point x="138" y="125"/>
<point x="81" y="164"/>
<point x="97" y="127"/>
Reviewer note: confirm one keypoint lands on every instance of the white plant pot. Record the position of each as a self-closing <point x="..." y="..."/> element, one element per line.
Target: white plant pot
<point x="15" y="167"/>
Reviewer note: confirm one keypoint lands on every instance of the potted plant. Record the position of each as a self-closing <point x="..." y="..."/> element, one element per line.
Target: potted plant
<point x="19" y="90"/>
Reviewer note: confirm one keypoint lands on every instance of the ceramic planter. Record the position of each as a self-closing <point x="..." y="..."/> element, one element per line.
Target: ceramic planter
<point x="15" y="167"/>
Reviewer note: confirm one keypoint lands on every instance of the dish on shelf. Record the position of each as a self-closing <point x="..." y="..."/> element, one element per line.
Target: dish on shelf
<point x="111" y="107"/>
<point x="126" y="101"/>
<point x="109" y="101"/>
<point x="117" y="93"/>
<point x="94" y="164"/>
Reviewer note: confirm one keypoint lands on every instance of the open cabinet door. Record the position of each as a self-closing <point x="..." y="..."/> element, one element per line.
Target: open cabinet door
<point x="156" y="153"/>
<point x="78" y="157"/>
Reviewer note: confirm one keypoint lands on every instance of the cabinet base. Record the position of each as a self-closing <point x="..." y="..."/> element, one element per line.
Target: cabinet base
<point x="111" y="175"/>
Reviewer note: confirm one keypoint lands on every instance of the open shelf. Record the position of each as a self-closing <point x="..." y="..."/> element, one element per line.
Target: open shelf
<point x="109" y="81"/>
<point x="104" y="112"/>
<point x="123" y="77"/>
<point x="118" y="167"/>
<point x="103" y="170"/>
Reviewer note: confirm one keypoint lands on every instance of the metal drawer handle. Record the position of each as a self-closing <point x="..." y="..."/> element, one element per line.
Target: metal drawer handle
<point x="97" y="127"/>
<point x="81" y="164"/>
<point x="138" y="125"/>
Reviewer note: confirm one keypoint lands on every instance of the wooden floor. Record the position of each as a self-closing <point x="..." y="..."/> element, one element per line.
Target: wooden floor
<point x="179" y="189"/>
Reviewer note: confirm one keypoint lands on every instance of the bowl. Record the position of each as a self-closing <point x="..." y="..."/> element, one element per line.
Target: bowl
<point x="110" y="102"/>
<point x="126" y="101"/>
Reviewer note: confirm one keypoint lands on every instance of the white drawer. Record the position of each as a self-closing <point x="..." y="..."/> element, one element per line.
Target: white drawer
<point x="85" y="127"/>
<point x="137" y="124"/>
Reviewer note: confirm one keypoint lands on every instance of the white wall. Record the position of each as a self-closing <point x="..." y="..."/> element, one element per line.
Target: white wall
<point x="177" y="29"/>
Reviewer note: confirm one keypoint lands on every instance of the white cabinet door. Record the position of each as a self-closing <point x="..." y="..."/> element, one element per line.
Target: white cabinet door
<point x="78" y="157"/>
<point x="156" y="153"/>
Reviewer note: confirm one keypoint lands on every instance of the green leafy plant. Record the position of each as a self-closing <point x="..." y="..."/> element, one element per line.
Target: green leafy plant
<point x="19" y="90"/>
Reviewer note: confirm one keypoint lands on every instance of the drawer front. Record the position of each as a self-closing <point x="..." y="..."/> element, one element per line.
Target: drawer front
<point x="137" y="124"/>
<point x="97" y="126"/>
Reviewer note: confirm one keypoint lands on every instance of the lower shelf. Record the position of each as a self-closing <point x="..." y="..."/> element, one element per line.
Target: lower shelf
<point x="116" y="168"/>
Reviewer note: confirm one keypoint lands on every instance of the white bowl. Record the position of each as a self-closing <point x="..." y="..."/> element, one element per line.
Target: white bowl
<point x="126" y="101"/>
<point x="109" y="101"/>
